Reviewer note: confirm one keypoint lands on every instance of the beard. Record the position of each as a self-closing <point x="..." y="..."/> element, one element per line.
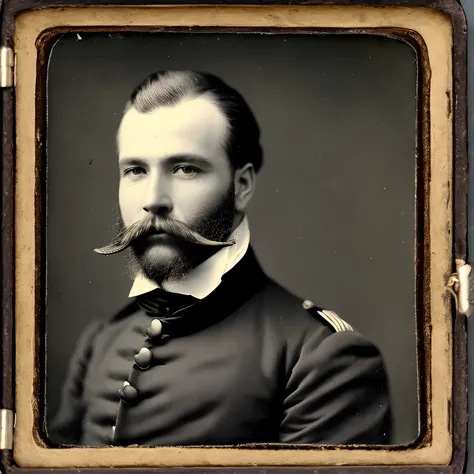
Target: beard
<point x="174" y="258"/>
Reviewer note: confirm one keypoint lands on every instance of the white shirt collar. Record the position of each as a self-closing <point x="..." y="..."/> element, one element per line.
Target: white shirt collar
<point x="205" y="278"/>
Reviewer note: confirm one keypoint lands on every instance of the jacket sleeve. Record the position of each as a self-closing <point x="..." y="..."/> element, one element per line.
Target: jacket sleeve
<point x="337" y="393"/>
<point x="65" y="428"/>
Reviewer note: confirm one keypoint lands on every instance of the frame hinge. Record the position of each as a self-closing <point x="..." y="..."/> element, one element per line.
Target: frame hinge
<point x="7" y="67"/>
<point x="458" y="286"/>
<point x="6" y="428"/>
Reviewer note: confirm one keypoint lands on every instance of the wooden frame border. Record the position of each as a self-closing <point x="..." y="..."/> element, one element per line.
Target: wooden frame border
<point x="435" y="27"/>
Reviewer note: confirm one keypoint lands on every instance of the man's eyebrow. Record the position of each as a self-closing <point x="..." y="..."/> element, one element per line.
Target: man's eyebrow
<point x="131" y="162"/>
<point x="189" y="159"/>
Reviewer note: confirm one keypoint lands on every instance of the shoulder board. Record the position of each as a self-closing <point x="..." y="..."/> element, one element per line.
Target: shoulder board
<point x="330" y="317"/>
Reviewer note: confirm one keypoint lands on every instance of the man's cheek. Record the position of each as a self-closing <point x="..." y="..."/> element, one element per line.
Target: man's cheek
<point x="199" y="204"/>
<point x="128" y="216"/>
<point x="130" y="207"/>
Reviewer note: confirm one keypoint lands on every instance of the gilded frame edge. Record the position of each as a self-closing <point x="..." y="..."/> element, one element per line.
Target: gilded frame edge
<point x="205" y="460"/>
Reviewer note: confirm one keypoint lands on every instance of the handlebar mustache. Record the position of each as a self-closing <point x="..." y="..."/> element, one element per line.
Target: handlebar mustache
<point x="152" y="223"/>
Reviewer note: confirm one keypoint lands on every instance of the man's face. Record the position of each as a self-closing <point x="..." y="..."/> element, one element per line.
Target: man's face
<point x="173" y="164"/>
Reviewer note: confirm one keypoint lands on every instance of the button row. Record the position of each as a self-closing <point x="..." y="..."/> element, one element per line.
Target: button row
<point x="129" y="394"/>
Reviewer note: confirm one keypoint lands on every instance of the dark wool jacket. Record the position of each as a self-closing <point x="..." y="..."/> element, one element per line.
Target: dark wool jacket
<point x="248" y="364"/>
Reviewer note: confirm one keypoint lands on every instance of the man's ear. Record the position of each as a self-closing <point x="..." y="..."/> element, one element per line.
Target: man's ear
<point x="244" y="182"/>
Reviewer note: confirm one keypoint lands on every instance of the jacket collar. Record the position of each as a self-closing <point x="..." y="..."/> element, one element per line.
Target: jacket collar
<point x="183" y="314"/>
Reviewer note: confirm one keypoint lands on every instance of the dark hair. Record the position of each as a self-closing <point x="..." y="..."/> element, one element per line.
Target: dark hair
<point x="168" y="88"/>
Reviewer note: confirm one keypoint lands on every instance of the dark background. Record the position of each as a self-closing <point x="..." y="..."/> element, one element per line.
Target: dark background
<point x="333" y="215"/>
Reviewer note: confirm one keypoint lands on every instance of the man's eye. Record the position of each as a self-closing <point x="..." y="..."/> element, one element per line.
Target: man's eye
<point x="186" y="170"/>
<point x="136" y="171"/>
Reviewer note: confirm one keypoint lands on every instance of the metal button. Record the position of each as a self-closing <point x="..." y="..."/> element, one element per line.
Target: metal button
<point x="128" y="394"/>
<point x="307" y="304"/>
<point x="154" y="330"/>
<point x="143" y="358"/>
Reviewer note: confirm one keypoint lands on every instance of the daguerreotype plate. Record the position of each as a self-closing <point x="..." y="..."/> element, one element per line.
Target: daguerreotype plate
<point x="234" y="236"/>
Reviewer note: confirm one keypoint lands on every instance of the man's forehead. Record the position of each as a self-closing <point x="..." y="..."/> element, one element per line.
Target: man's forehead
<point x="194" y="123"/>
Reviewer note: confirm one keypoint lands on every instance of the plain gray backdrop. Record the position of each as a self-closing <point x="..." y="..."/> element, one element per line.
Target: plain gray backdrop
<point x="333" y="215"/>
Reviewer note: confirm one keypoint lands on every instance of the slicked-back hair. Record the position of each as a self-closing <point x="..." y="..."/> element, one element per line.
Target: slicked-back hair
<point x="168" y="88"/>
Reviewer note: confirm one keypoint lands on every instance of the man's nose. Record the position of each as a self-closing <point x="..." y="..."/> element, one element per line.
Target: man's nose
<point x="158" y="200"/>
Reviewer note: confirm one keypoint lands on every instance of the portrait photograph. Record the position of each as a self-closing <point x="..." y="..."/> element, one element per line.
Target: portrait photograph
<point x="234" y="236"/>
<point x="231" y="239"/>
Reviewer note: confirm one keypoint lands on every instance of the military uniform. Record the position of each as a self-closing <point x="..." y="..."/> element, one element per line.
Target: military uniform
<point x="250" y="363"/>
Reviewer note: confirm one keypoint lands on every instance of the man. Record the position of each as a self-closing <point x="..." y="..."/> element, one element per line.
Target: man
<point x="209" y="350"/>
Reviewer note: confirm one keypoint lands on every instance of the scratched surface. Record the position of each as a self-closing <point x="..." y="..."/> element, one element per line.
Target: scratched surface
<point x="469" y="10"/>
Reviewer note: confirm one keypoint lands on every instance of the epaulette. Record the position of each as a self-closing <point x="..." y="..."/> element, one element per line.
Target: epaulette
<point x="330" y="317"/>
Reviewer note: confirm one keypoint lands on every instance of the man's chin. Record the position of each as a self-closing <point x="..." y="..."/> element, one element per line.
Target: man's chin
<point x="163" y="261"/>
